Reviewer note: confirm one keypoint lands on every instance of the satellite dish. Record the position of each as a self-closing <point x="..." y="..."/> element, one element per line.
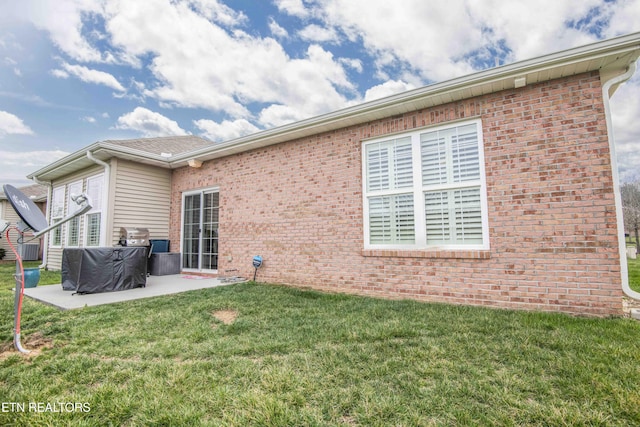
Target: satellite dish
<point x="30" y="214"/>
<point x="32" y="218"/>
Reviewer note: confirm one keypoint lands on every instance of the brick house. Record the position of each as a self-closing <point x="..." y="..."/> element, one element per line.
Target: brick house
<point x="499" y="188"/>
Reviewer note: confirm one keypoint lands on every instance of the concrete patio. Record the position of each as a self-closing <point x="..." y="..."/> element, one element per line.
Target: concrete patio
<point x="156" y="286"/>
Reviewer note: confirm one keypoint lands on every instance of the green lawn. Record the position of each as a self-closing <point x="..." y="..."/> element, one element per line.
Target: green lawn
<point x="634" y="268"/>
<point x="295" y="357"/>
<point x="634" y="273"/>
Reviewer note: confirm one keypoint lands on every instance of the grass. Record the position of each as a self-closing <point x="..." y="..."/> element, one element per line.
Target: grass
<point x="634" y="273"/>
<point x="8" y="268"/>
<point x="633" y="266"/>
<point x="295" y="357"/>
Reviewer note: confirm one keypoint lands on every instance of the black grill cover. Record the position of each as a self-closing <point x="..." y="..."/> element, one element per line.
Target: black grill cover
<point x="94" y="270"/>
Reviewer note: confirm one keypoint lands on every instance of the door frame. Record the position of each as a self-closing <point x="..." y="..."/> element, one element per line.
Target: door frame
<point x="185" y="194"/>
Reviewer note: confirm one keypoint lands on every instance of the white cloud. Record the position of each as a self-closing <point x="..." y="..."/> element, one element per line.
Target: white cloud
<point x="63" y="19"/>
<point x="12" y="63"/>
<point x="352" y="63"/>
<point x="388" y="88"/>
<point x="420" y="35"/>
<point x="624" y="17"/>
<point x="149" y="123"/>
<point x="278" y="115"/>
<point x="225" y="71"/>
<point x="292" y="7"/>
<point x="15" y="166"/>
<point x="219" y="12"/>
<point x="443" y="40"/>
<point x="30" y="159"/>
<point x="88" y="119"/>
<point x="61" y="74"/>
<point x="532" y="31"/>
<point x="88" y="75"/>
<point x="12" y="124"/>
<point x="276" y="30"/>
<point x="225" y="131"/>
<point x="316" y="33"/>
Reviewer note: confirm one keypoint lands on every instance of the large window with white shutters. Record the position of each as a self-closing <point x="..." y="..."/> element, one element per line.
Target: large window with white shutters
<point x="426" y="189"/>
<point x="93" y="218"/>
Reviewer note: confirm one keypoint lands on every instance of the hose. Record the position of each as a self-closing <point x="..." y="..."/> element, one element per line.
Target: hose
<point x="19" y="296"/>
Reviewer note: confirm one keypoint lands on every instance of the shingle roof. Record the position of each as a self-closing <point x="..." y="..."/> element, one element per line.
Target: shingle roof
<point x="36" y="192"/>
<point x="166" y="144"/>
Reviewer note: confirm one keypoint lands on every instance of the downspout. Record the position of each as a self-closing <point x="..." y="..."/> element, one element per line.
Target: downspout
<point x="105" y="192"/>
<point x="45" y="240"/>
<point x="616" y="179"/>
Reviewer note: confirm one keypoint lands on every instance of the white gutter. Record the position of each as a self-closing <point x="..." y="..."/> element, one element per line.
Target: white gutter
<point x="622" y="246"/>
<point x="45" y="241"/>
<point x="105" y="194"/>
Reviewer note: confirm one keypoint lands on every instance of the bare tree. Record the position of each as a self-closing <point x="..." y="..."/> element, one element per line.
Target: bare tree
<point x="631" y="208"/>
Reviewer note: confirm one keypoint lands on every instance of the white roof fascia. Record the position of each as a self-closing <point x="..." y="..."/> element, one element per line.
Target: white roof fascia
<point x="101" y="147"/>
<point x="71" y="158"/>
<point x="132" y="153"/>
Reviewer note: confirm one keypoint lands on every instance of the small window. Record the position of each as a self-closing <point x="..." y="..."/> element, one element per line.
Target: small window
<point x="426" y="189"/>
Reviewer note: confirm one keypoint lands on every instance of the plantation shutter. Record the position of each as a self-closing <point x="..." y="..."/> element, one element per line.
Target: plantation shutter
<point x="391" y="219"/>
<point x="464" y="151"/>
<point x="73" y="226"/>
<point x="434" y="159"/>
<point x="453" y="217"/>
<point x="390" y="167"/>
<point x="437" y="217"/>
<point x="94" y="191"/>
<point x="57" y="203"/>
<point x="468" y="216"/>
<point x="94" y="216"/>
<point x="450" y="158"/>
<point x="429" y="182"/>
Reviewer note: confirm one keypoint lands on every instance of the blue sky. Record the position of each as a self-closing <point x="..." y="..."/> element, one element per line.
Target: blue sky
<point x="73" y="72"/>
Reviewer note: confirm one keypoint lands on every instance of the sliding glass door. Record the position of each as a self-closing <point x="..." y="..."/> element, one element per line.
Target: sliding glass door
<point x="200" y="230"/>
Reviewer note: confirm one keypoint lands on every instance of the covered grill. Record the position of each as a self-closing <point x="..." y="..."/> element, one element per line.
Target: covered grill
<point x="134" y="236"/>
<point x="93" y="270"/>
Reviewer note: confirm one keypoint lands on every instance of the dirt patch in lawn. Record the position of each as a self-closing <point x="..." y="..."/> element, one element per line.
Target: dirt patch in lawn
<point x="225" y="316"/>
<point x="35" y="343"/>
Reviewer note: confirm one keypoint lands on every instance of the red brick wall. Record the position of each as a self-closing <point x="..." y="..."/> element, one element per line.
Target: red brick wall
<point x="550" y="198"/>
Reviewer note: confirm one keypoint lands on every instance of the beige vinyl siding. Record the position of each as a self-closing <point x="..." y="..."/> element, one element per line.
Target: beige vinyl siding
<point x="142" y="198"/>
<point x="139" y="196"/>
<point x="8" y="213"/>
<point x="54" y="256"/>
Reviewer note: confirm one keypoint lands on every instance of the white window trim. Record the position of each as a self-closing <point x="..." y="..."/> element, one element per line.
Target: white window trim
<point x="57" y="217"/>
<point x="184" y="195"/>
<point x="67" y="226"/>
<point x="101" y="237"/>
<point x="418" y="192"/>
